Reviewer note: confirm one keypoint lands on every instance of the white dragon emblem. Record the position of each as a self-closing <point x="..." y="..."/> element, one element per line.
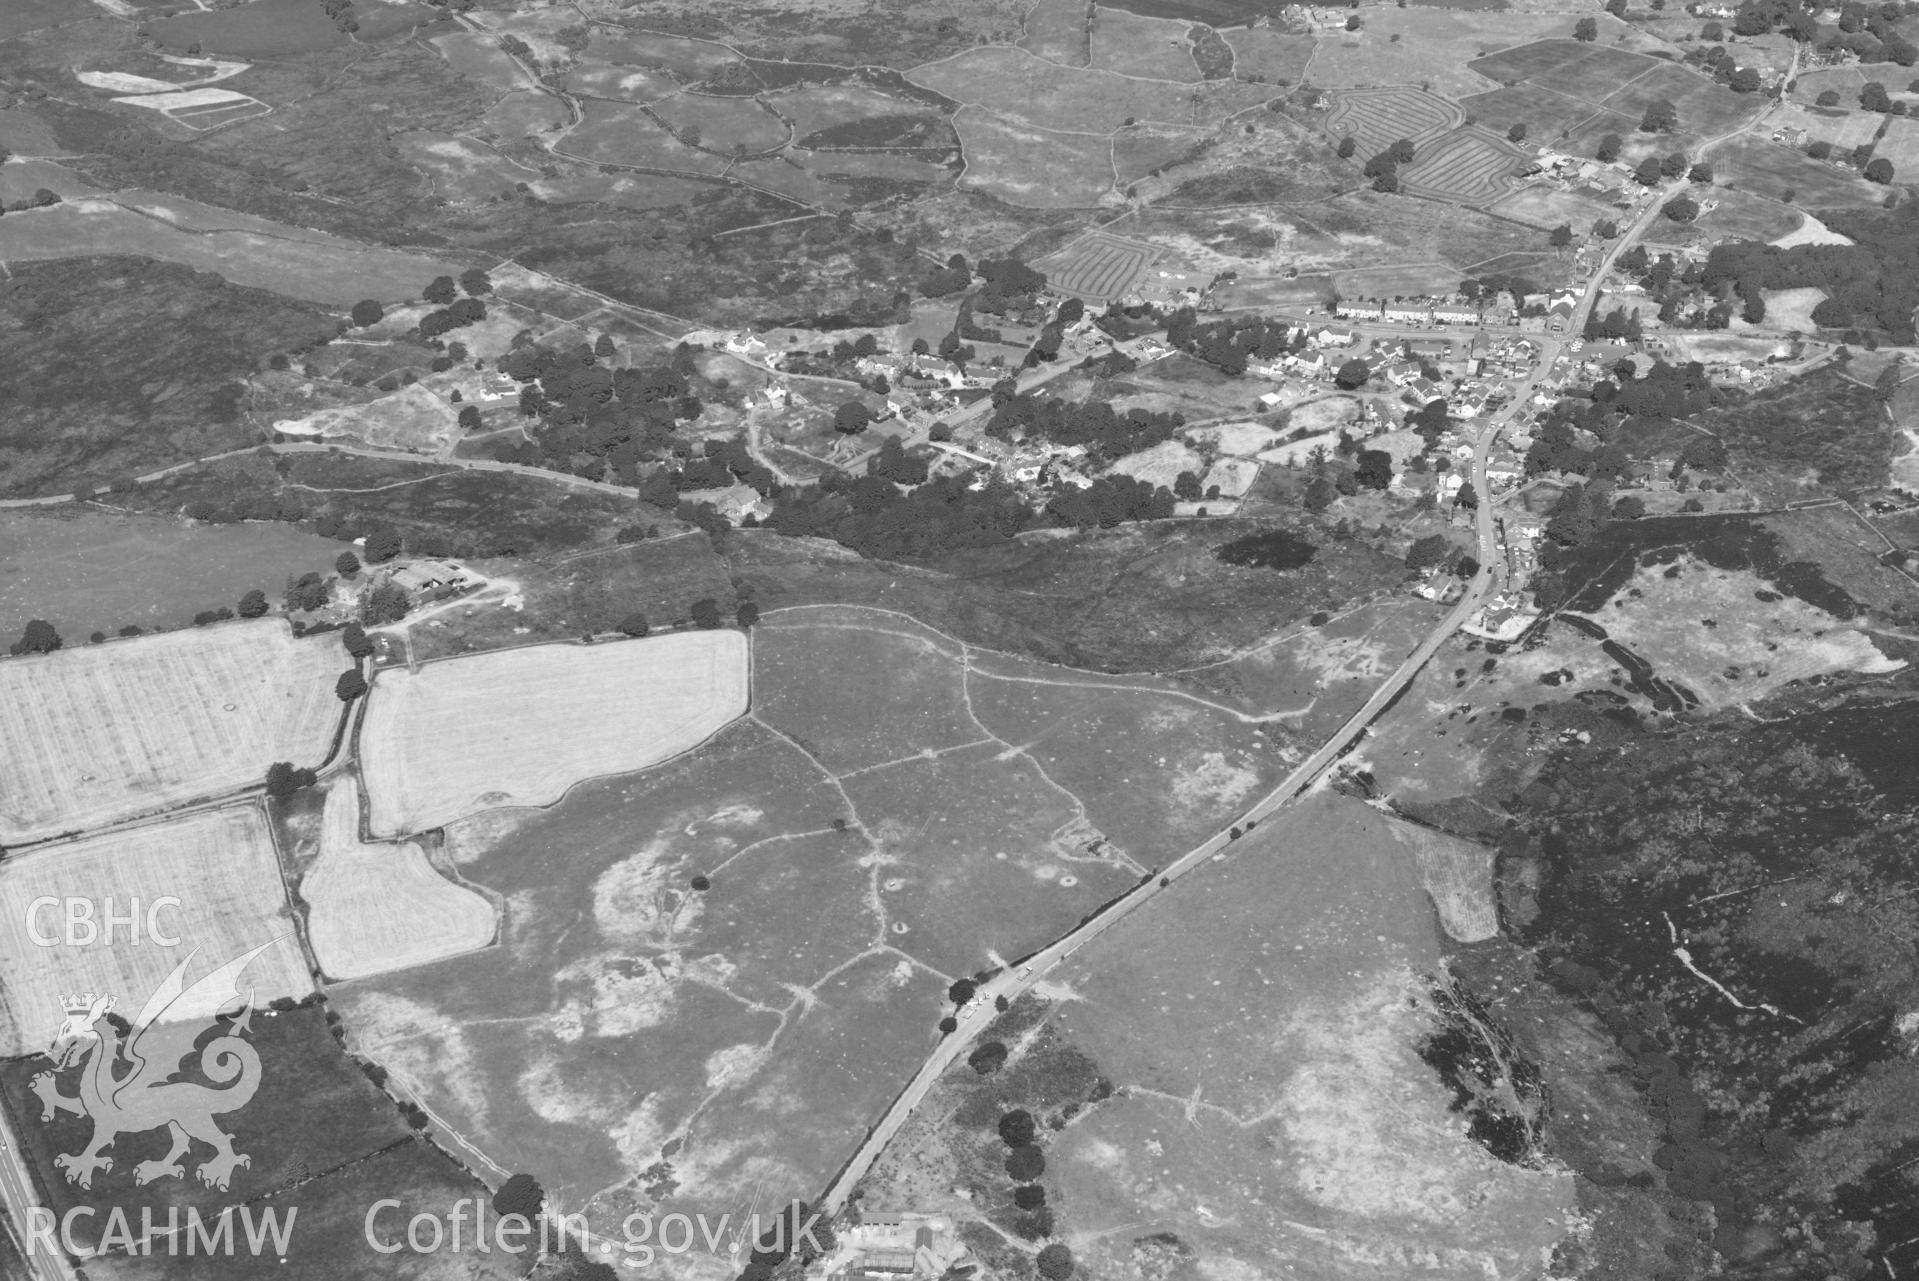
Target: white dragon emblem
<point x="124" y="1085"/>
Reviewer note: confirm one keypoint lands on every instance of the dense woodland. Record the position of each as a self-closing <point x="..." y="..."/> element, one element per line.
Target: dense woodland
<point x="1788" y="876"/>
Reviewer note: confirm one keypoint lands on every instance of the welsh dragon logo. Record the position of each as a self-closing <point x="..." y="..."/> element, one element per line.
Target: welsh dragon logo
<point x="124" y="1083"/>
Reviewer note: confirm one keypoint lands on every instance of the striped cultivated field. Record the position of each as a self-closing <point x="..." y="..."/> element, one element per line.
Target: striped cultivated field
<point x="1465" y="167"/>
<point x="372" y="909"/>
<point x="106" y="732"/>
<point x="1099" y="267"/>
<point x="209" y="881"/>
<point x="521" y="726"/>
<point x="1380" y="117"/>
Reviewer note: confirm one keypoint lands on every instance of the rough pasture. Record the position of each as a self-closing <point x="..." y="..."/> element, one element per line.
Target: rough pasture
<point x="1057" y="31"/>
<point x="814" y="108"/>
<point x="690" y="60"/>
<point x="1261" y="51"/>
<point x="1015" y="84"/>
<point x="301" y="265"/>
<point x="724" y="124"/>
<point x="1031" y="167"/>
<point x="619" y="133"/>
<point x="1155" y="48"/>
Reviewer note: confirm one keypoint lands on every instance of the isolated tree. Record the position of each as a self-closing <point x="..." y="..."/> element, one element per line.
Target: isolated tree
<point x="851" y="418"/>
<point x="1017" y="1128"/>
<point x="1647" y="172"/>
<point x="634" y="624"/>
<point x="1617" y="8"/>
<point x="1744" y="80"/>
<point x="961" y="991"/>
<point x="469" y="418"/>
<point x="1352" y="23"/>
<point x="357" y="642"/>
<point x="1025" y="1163"/>
<point x="1387" y="182"/>
<point x="1186" y="487"/>
<point x="1352" y="375"/>
<point x="1873" y="97"/>
<point x="1879" y="169"/>
<point x="1661" y="117"/>
<point x="1427" y="552"/>
<point x="521" y="1195"/>
<point x="307" y="592"/>
<point x="1700" y="173"/>
<point x="1631" y="507"/>
<point x="1374" y="469"/>
<point x="1674" y="165"/>
<point x="475" y="282"/>
<point x="1586" y="29"/>
<point x="1712" y="31"/>
<point x="347" y="564"/>
<point x="1517" y="133"/>
<point x="1029" y="1196"/>
<point x="382" y="544"/>
<point x="350" y="685"/>
<point x="988" y="1058"/>
<point x="706" y="613"/>
<point x="1827" y="98"/>
<point x="253" y="604"/>
<point x="440" y="291"/>
<point x="283" y="779"/>
<point x="603" y="348"/>
<point x="1055" y="1262"/>
<point x="1681" y="209"/>
<point x="387" y="603"/>
<point x="1468" y="497"/>
<point x="38" y="637"/>
<point x="1561" y="236"/>
<point x="366" y="312"/>
<point x="746" y="615"/>
<point x="1819" y="150"/>
<point x="1347" y="146"/>
<point x="1605" y="229"/>
<point x="1608" y="150"/>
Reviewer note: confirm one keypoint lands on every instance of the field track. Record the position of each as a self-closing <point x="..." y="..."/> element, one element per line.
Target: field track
<point x="521" y="726"/>
<point x="220" y="865"/>
<point x="106" y="732"/>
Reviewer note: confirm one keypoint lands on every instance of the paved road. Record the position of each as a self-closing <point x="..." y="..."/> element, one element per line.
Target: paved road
<point x="16" y="1194"/>
<point x="1017" y="980"/>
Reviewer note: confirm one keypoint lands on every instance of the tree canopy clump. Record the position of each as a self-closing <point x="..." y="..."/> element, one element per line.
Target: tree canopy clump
<point x="284" y="779"/>
<point x="1025" y="1163"/>
<point x="38" y="637"/>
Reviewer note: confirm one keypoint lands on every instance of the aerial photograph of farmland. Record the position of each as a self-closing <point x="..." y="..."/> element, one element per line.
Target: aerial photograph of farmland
<point x="959" y="640"/>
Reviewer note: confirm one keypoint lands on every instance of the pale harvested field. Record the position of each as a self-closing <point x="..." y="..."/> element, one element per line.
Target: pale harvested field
<point x="220" y="864"/>
<point x="521" y="726"/>
<point x="105" y="732"/>
<point x="372" y="909"/>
